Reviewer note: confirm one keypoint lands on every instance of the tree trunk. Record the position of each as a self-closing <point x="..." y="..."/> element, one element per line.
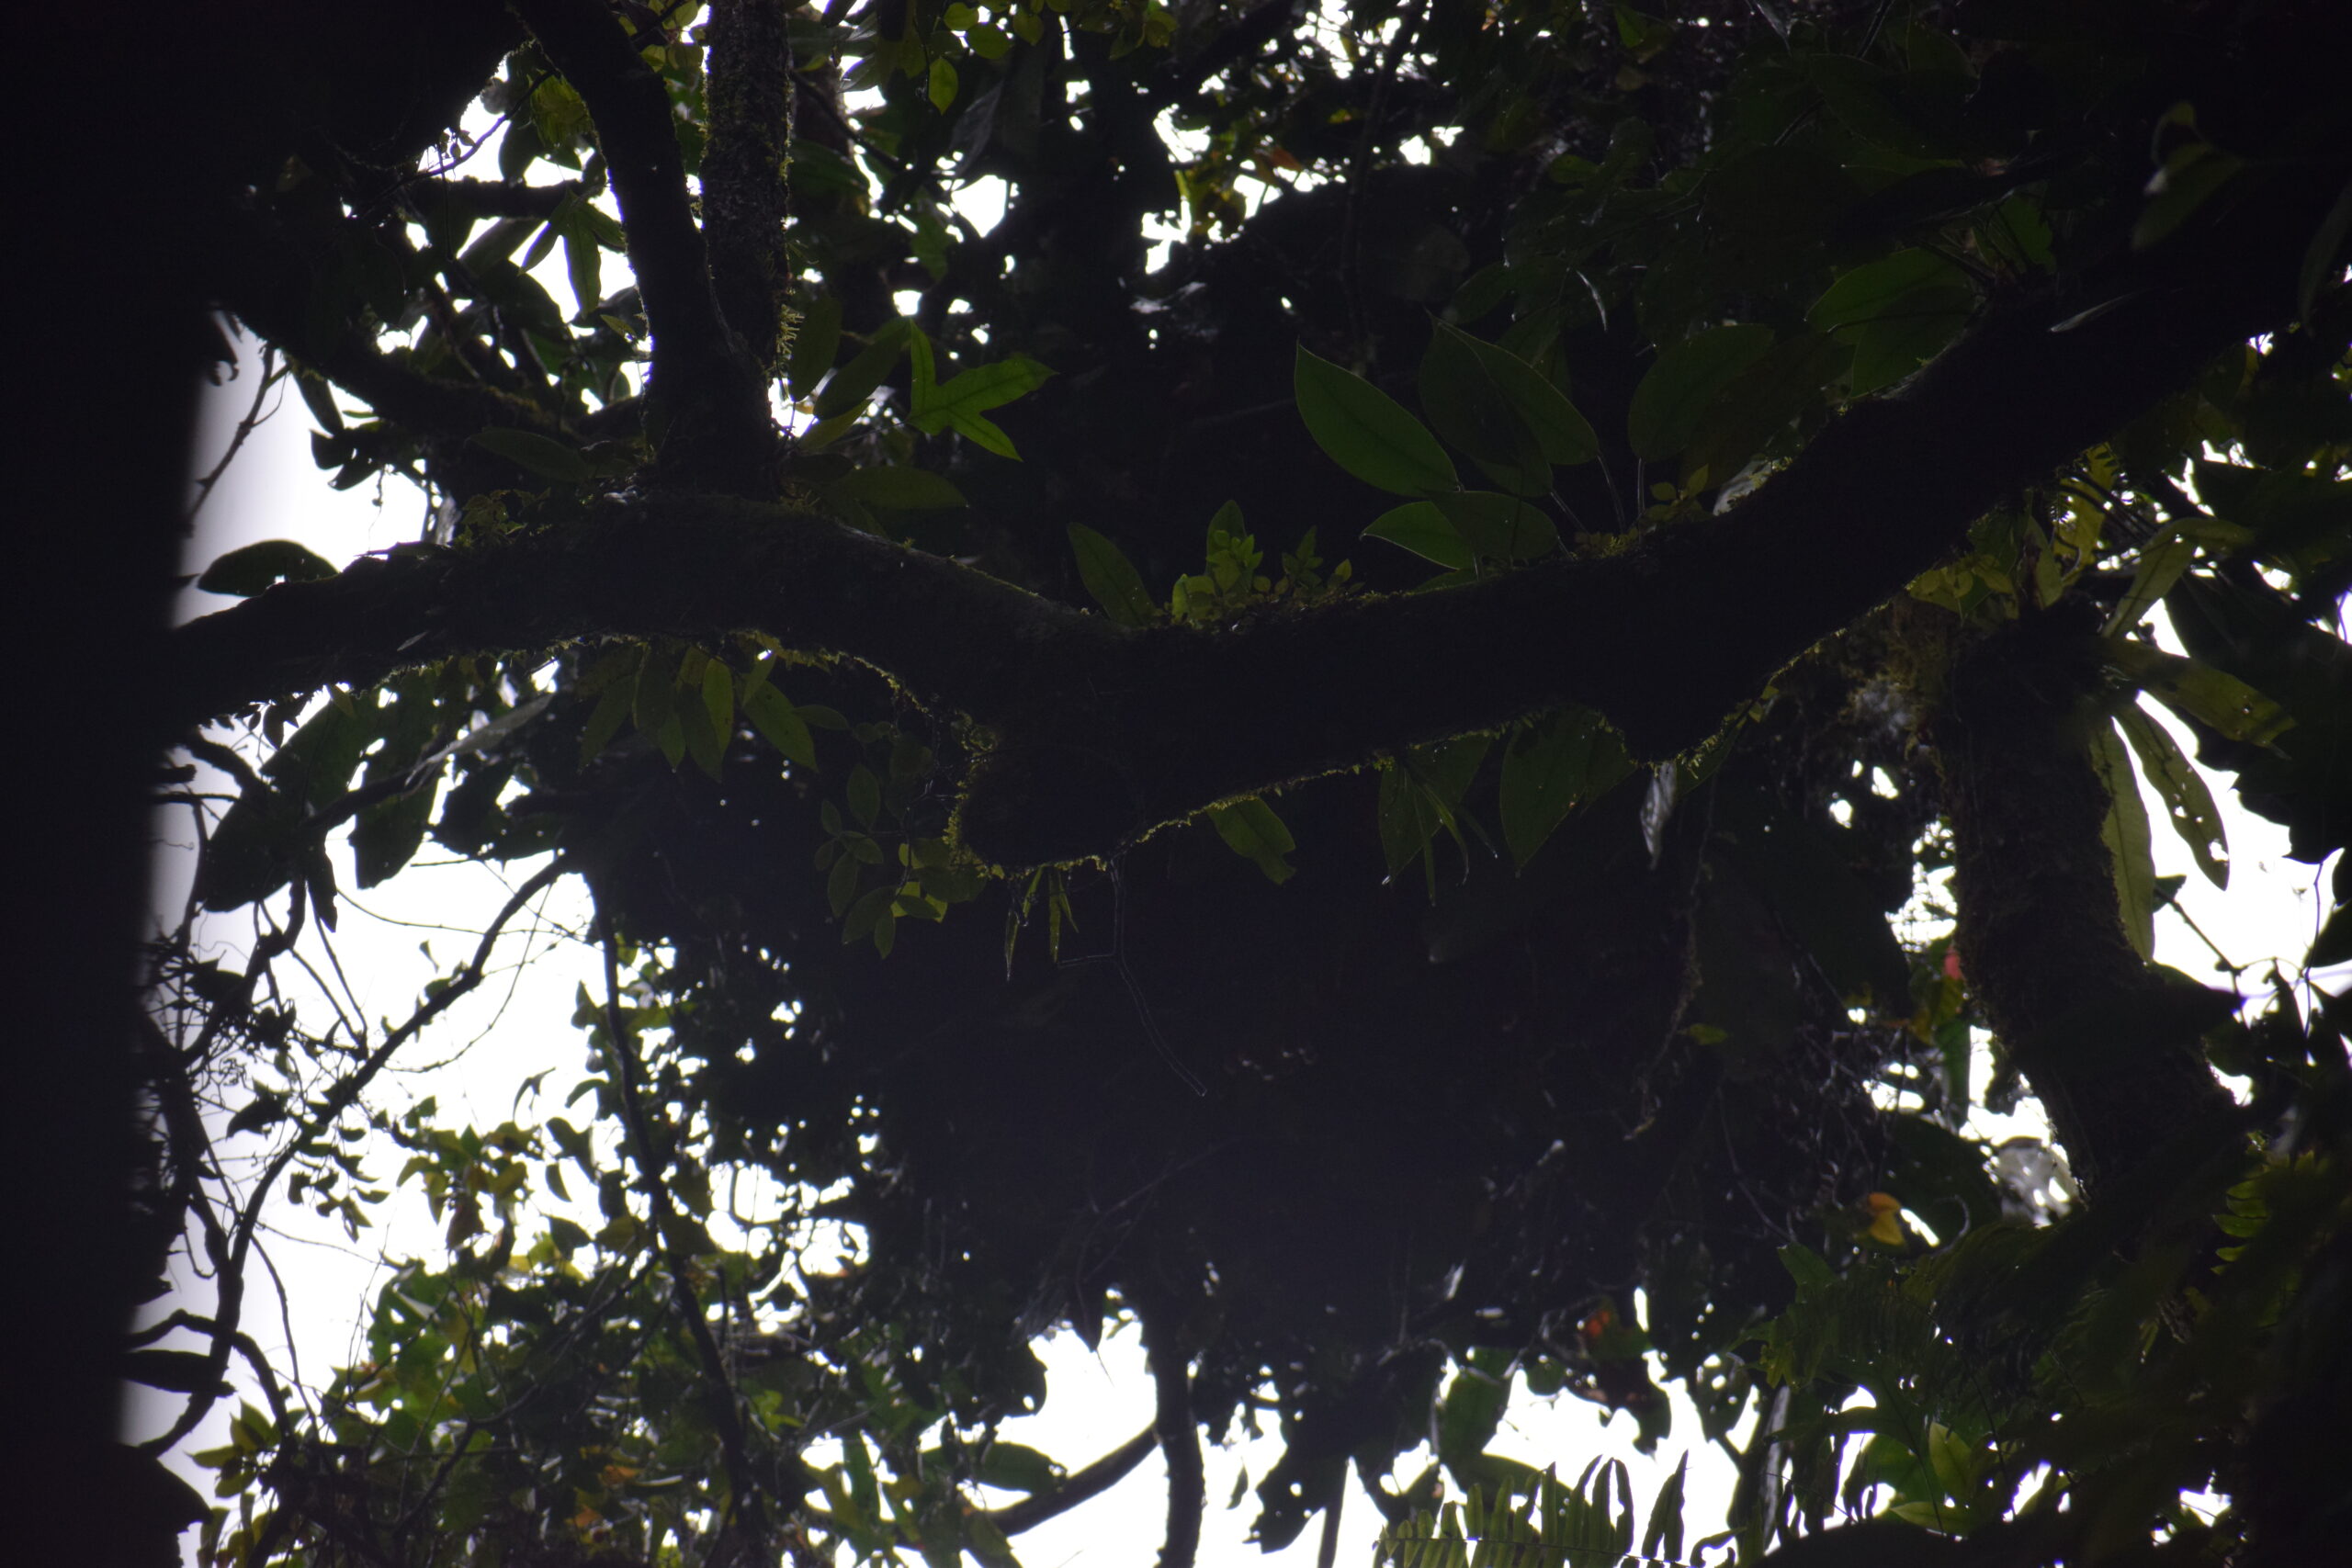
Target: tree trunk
<point x="2108" y="1043"/>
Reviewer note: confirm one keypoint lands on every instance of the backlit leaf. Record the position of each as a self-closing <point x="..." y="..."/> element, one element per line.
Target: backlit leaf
<point x="1111" y="577"/>
<point x="1674" y="397"/>
<point x="1367" y="432"/>
<point x="2194" y="815"/>
<point x="2125" y="833"/>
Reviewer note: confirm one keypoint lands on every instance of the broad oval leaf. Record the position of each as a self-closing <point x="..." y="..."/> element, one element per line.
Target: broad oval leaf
<point x="907" y="489"/>
<point x="1367" y="432"/>
<point x="1870" y="292"/>
<point x="1112" y="578"/>
<point x="1457" y="362"/>
<point x="1420" y="527"/>
<point x="1500" y="527"/>
<point x="1674" y="397"/>
<point x="1465" y="399"/>
<point x="1251" y="830"/>
<point x="1563" y="762"/>
<point x="780" y="724"/>
<point x="536" y="454"/>
<point x="251" y="569"/>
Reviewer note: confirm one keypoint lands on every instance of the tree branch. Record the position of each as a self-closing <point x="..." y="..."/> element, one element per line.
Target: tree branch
<point x="1180" y="1441"/>
<point x="2109" y="1044"/>
<point x="744" y="197"/>
<point x="1091" y="1482"/>
<point x="1102" y="734"/>
<point x="708" y="397"/>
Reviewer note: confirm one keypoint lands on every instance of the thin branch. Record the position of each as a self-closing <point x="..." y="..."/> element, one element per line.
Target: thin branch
<point x="339" y="1098"/>
<point x="488" y="198"/>
<point x="272" y="373"/>
<point x="1179" y="1442"/>
<point x="744" y="1505"/>
<point x="1082" y="1484"/>
<point x="703" y="388"/>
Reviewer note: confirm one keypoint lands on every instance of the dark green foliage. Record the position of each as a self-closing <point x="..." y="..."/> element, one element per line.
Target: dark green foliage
<point x="1372" y="1085"/>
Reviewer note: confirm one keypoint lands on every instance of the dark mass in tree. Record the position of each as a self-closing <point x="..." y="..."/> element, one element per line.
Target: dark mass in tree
<point x="1337" y="738"/>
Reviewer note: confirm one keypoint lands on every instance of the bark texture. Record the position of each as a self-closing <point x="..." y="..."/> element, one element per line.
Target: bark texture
<point x="2109" y="1043"/>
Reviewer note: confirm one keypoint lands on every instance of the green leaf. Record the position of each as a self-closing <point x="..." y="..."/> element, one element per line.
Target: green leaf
<point x="1367" y="432"/>
<point x="1675" y="396"/>
<point x="1018" y="1469"/>
<point x="1469" y="1413"/>
<point x="1869" y="293"/>
<point x="2195" y="817"/>
<point x="942" y="84"/>
<point x="1500" y="527"/>
<point x="1556" y="766"/>
<point x="865" y="795"/>
<point x="2200" y="691"/>
<point x="251" y="569"/>
<point x="2125" y="833"/>
<point x="386" y="836"/>
<point x="2185" y="183"/>
<point x="1111" y="578"/>
<point x="1422" y="527"/>
<point x="780" y="725"/>
<point x="1663" y="1536"/>
<point x="1497" y="408"/>
<point x="1806" y="1267"/>
<point x="2161" y="564"/>
<point x="536" y="454"/>
<point x="815" y="341"/>
<point x="953" y="403"/>
<point x="1896" y="313"/>
<point x="845" y="391"/>
<point x="718" y="699"/>
<point x="1251" y="830"/>
<point x="985" y="434"/>
<point x="907" y="489"/>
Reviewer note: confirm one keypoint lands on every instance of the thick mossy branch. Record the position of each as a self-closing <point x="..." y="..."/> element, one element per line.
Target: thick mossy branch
<point x="1103" y="733"/>
<point x="2109" y="1044"/>
<point x="744" y="197"/>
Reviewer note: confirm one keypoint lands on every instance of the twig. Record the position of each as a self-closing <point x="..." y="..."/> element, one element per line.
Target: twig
<point x="271" y="374"/>
<point x="1180" y="1438"/>
<point x="333" y="1104"/>
<point x="744" y="1502"/>
<point x="1090" y="1482"/>
<point x="718" y="432"/>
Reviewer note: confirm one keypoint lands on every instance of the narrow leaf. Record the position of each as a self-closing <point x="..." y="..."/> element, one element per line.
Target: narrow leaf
<point x="2125" y="833"/>
<point x="2161" y="565"/>
<point x="2195" y="817"/>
